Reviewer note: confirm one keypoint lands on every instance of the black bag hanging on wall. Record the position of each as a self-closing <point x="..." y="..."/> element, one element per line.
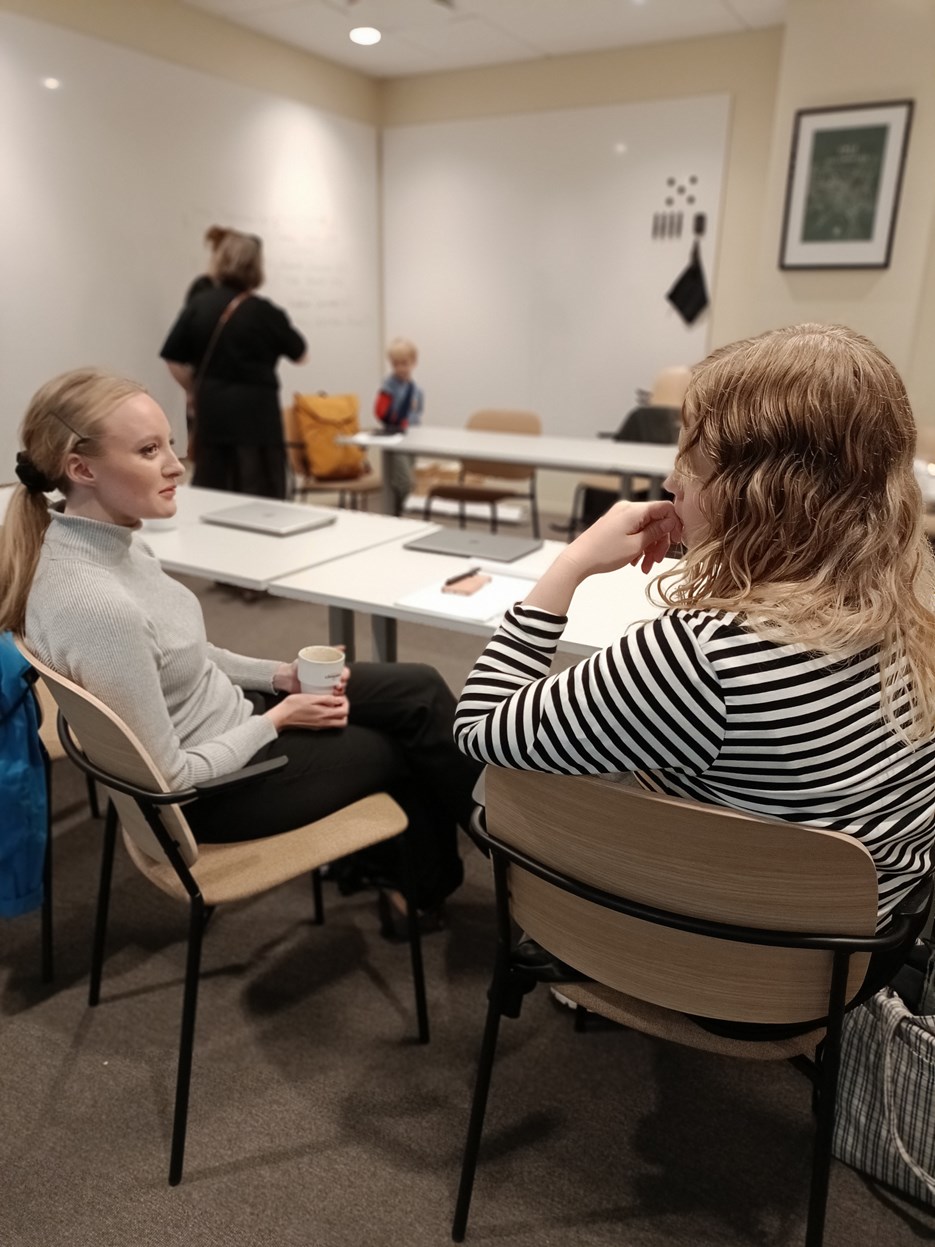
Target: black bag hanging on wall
<point x="689" y="295"/>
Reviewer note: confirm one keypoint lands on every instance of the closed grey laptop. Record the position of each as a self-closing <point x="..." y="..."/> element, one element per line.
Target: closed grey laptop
<point x="498" y="547"/>
<point x="276" y="519"/>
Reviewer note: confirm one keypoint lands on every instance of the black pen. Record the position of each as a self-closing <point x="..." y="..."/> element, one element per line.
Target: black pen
<point x="453" y="580"/>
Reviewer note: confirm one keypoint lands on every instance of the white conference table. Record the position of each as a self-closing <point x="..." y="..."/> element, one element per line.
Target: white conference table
<point x="254" y="560"/>
<point x="373" y="581"/>
<point x="566" y="454"/>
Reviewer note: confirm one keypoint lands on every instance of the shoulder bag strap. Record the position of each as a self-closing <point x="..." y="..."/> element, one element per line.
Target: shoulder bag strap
<point x="215" y="334"/>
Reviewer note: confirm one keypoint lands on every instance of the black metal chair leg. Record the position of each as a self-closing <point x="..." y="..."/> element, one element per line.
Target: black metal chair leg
<point x="48" y="958"/>
<point x="478" y="1107"/>
<point x="493" y="517"/>
<point x="196" y="926"/>
<point x="581" y="1018"/>
<point x="418" y="972"/>
<point x="317" y="899"/>
<point x="827" y="1098"/>
<point x="103" y="902"/>
<point x="534" y="508"/>
<point x="92" y="798"/>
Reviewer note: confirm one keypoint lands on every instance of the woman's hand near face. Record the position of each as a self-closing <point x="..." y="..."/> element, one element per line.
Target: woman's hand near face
<point x="629" y="533"/>
<point x="316" y="711"/>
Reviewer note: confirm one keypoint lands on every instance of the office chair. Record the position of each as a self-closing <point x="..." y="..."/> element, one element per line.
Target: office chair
<point x="673" y="908"/>
<point x="464" y="490"/>
<point x="161" y="846"/>
<point x="596" y="493"/>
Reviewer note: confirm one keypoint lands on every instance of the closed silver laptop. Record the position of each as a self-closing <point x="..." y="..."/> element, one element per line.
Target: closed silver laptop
<point x="276" y="519"/>
<point x="498" y="547"/>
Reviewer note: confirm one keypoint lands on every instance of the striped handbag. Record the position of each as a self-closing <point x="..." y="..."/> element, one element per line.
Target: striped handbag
<point x="885" y="1121"/>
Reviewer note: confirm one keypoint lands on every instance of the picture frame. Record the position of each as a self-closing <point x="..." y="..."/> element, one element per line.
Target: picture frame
<point x="842" y="193"/>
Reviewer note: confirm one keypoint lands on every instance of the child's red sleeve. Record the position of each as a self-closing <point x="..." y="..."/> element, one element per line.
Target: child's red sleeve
<point x="383" y="405"/>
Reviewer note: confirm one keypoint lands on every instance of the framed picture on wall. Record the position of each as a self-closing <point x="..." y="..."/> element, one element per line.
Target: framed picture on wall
<point x="842" y="194"/>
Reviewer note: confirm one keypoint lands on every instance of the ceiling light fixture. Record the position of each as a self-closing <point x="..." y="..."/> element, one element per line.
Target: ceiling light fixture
<point x="365" y="35"/>
<point x="51" y="84"/>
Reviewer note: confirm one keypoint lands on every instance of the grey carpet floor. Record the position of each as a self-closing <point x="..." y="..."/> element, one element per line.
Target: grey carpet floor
<point x="315" y="1118"/>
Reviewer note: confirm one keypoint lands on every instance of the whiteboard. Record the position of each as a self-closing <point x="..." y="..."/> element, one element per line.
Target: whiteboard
<point x="519" y="254"/>
<point x="108" y="186"/>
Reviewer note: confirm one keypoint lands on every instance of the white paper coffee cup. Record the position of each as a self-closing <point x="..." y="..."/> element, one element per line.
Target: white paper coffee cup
<point x="320" y="668"/>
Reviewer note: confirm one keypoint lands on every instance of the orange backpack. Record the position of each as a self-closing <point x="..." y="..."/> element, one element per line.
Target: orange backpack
<point x="319" y="420"/>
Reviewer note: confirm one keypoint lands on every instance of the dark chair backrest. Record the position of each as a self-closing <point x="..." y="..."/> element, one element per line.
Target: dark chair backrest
<point x="658" y="425"/>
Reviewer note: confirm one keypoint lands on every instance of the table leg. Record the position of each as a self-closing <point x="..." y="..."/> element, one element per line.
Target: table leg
<point x="341" y="629"/>
<point x="383" y="631"/>
<point x="387" y="497"/>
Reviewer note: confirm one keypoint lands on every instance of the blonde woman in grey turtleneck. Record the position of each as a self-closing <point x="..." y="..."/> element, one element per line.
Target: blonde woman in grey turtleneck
<point x="95" y="605"/>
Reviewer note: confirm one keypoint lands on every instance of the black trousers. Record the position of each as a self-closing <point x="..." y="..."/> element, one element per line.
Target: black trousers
<point x="242" y="469"/>
<point x="398" y="740"/>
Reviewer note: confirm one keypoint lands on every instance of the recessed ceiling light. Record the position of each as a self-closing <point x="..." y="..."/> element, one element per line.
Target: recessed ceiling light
<point x="620" y="149"/>
<point x="51" y="84"/>
<point x="365" y="35"/>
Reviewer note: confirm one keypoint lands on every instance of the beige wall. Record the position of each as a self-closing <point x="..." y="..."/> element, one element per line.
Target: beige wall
<point x="841" y="52"/>
<point x="190" y="37"/>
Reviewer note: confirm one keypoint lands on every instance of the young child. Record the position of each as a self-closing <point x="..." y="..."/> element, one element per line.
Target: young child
<point x="399" y="404"/>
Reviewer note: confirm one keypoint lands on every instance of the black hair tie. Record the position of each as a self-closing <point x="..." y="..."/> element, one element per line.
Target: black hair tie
<point x="35" y="481"/>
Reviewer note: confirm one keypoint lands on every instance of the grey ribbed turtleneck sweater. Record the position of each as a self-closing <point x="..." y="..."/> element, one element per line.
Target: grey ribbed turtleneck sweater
<point x="102" y="612"/>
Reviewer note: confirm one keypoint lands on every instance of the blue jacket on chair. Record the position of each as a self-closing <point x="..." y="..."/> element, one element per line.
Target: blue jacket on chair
<point x="23" y="800"/>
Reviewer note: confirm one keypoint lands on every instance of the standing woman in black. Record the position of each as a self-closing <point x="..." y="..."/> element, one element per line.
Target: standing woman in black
<point x="223" y="350"/>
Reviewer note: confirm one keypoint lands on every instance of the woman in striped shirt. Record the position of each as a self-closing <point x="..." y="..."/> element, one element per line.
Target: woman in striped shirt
<point x="793" y="674"/>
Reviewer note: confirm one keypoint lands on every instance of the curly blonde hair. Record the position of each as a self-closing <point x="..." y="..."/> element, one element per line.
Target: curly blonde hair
<point x="813" y="515"/>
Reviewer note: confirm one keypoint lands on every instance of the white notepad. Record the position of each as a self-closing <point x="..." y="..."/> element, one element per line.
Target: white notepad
<point x="487" y="604"/>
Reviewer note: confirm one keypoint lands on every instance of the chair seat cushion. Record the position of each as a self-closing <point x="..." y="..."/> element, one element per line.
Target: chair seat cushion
<point x="233" y="872"/>
<point x="679" y="1028"/>
<point x="473" y="493"/>
<point x="367" y="484"/>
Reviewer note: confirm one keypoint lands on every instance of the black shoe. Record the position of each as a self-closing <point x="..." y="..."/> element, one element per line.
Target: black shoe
<point x="543" y="965"/>
<point x="394" y="924"/>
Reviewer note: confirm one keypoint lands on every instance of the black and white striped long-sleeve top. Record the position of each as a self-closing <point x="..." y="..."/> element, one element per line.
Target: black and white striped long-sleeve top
<point x="699" y="706"/>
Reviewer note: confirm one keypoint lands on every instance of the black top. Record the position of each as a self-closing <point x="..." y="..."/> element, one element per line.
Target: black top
<point x="238" y="395"/>
<point x="200" y="284"/>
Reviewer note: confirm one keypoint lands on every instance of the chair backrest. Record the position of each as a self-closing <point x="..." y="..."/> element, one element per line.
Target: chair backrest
<point x="110" y="745"/>
<point x="47" y="712"/>
<point x="669" y="386"/>
<point x="696" y="860"/>
<point x="659" y="425"/>
<point x="494" y="420"/>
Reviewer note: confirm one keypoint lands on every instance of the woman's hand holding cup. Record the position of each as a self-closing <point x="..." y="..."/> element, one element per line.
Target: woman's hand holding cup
<point x="316" y="690"/>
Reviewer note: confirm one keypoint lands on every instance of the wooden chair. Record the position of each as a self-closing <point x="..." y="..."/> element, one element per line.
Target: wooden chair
<point x="673" y="908"/>
<point x="352" y="494"/>
<point x="497" y="490"/>
<point x="160" y="843"/>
